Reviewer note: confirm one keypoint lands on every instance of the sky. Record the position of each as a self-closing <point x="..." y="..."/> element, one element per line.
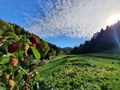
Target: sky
<point x="65" y="23"/>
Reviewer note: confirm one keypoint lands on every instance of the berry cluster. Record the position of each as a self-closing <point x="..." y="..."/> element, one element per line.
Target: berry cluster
<point x="19" y="70"/>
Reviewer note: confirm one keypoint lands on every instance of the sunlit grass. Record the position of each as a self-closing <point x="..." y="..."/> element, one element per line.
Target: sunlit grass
<point x="82" y="72"/>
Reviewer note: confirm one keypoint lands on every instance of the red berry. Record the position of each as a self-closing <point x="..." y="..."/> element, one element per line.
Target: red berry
<point x="34" y="39"/>
<point x="12" y="48"/>
<point x="34" y="45"/>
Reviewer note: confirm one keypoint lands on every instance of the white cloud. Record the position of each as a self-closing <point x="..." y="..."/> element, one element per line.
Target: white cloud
<point x="72" y="18"/>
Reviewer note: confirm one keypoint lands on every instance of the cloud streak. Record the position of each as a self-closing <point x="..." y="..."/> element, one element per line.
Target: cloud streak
<point x="74" y="19"/>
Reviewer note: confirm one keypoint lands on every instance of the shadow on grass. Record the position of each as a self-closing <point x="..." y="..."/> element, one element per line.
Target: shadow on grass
<point x="105" y="57"/>
<point x="51" y="66"/>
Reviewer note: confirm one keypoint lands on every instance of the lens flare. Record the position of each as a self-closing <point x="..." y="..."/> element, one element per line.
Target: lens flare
<point x="116" y="37"/>
<point x="113" y="19"/>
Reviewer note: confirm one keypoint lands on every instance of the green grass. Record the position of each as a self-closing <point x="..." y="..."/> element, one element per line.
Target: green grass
<point x="81" y="72"/>
<point x="51" y="65"/>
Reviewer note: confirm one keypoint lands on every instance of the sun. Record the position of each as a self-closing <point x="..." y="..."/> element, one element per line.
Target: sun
<point x="113" y="19"/>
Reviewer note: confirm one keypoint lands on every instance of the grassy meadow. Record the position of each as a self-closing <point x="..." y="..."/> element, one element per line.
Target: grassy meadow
<point x="81" y="72"/>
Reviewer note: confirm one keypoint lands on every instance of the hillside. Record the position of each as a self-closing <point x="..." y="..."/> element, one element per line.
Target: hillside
<point x="51" y="50"/>
<point x="67" y="50"/>
<point x="82" y="72"/>
<point x="105" y="40"/>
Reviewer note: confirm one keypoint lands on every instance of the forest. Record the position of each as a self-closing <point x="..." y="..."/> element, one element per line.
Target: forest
<point x="105" y="40"/>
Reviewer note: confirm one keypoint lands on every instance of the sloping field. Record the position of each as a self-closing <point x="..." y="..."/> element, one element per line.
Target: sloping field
<point x="82" y="72"/>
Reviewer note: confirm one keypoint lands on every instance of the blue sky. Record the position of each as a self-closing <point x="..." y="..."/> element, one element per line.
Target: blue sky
<point x="61" y="22"/>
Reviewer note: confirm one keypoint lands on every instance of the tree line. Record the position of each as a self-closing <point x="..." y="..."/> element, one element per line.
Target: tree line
<point x="105" y="40"/>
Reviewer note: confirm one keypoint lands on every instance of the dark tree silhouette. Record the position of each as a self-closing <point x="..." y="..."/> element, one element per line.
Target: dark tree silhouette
<point x="104" y="40"/>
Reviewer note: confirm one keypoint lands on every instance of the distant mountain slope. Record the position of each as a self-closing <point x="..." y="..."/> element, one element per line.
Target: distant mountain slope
<point x="67" y="48"/>
<point x="104" y="40"/>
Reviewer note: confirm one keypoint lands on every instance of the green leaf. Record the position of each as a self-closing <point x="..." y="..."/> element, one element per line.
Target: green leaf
<point x="37" y="76"/>
<point x="18" y="53"/>
<point x="10" y="34"/>
<point x="3" y="50"/>
<point x="4" y="60"/>
<point x="35" y="52"/>
<point x="2" y="88"/>
<point x="22" y="69"/>
<point x="1" y="32"/>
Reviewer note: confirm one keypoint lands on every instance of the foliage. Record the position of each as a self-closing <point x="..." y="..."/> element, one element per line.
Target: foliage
<point x="20" y="58"/>
<point x="48" y="46"/>
<point x="18" y="70"/>
<point x="104" y="40"/>
<point x="67" y="50"/>
<point x="58" y="50"/>
<point x="43" y="49"/>
<point x="5" y="26"/>
<point x="35" y="53"/>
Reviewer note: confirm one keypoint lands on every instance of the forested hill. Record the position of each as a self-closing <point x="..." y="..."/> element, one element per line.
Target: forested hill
<point x="47" y="50"/>
<point x="105" y="40"/>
